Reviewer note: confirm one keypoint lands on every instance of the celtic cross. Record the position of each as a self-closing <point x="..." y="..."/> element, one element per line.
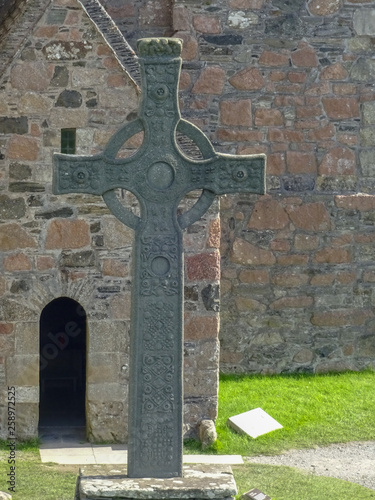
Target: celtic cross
<point x="159" y="175"/>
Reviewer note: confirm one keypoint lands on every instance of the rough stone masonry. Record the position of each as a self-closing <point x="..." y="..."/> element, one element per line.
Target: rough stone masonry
<point x="294" y="80"/>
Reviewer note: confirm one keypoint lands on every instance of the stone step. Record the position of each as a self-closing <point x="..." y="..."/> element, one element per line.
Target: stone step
<point x="199" y="482"/>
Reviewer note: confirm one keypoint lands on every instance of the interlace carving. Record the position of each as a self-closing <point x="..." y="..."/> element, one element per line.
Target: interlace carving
<point x="158" y="393"/>
<point x="158" y="326"/>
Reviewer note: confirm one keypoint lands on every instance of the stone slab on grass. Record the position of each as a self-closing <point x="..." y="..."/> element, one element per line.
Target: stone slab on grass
<point x="214" y="482"/>
<point x="254" y="423"/>
<point x="255" y="494"/>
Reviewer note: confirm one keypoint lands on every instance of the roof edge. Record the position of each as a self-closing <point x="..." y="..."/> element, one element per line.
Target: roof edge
<point x="114" y="38"/>
<point x="29" y="14"/>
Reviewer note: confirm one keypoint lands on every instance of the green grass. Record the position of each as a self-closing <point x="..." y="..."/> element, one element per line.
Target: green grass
<point x="313" y="409"/>
<point x="29" y="445"/>
<point x="286" y="483"/>
<point x="37" y="481"/>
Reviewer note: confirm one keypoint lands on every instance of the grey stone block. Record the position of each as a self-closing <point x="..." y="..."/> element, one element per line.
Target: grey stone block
<point x="14" y="125"/>
<point x="12" y="208"/>
<point x="69" y="99"/>
<point x="364" y="21"/>
<point x="198" y="482"/>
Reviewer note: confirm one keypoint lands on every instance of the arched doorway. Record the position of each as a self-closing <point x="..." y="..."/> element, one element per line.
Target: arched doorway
<point x="62" y="365"/>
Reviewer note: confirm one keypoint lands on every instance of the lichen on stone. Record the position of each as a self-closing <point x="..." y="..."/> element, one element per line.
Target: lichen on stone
<point x="159" y="47"/>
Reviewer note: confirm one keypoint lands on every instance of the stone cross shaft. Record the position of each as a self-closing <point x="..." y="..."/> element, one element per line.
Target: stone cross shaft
<point x="159" y="175"/>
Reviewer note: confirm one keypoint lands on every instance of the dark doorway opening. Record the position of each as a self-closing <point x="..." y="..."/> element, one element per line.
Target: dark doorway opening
<point x="62" y="365"/>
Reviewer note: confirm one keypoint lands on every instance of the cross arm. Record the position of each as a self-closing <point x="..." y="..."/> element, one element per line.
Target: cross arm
<point x="77" y="174"/>
<point x="226" y="174"/>
<point x="88" y="174"/>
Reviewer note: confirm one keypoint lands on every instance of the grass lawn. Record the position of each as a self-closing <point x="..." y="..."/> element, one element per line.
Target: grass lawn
<point x="314" y="410"/>
<point x="37" y="481"/>
<point x="286" y="483"/>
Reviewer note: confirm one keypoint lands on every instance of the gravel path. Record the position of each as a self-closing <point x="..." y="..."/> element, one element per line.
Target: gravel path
<point x="354" y="462"/>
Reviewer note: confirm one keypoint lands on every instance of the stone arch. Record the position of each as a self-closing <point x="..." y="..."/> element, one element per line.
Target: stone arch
<point x="107" y="352"/>
<point x="62" y="355"/>
<point x="22" y="312"/>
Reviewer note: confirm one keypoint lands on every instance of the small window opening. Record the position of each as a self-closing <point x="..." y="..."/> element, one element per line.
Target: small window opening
<point x="68" y="141"/>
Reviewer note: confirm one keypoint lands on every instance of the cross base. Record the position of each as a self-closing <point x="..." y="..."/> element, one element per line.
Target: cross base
<point x="199" y="482"/>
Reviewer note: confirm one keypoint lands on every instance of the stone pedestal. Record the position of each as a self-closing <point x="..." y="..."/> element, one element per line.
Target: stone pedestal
<point x="103" y="482"/>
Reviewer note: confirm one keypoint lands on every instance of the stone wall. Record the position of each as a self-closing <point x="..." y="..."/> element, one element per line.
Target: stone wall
<point x="141" y="18"/>
<point x="294" y="80"/>
<point x="65" y="76"/>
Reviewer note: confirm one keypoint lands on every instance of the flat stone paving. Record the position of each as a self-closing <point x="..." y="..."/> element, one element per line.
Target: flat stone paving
<point x="69" y="446"/>
<point x="86" y="454"/>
